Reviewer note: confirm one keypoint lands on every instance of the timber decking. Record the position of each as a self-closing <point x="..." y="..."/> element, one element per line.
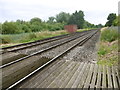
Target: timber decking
<point x="72" y="74"/>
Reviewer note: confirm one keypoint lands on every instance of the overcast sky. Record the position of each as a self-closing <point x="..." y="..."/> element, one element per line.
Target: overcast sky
<point x="96" y="11"/>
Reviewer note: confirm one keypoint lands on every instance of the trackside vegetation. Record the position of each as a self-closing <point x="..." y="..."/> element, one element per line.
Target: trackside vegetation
<point x="55" y="23"/>
<point x="108" y="50"/>
<point x="12" y="39"/>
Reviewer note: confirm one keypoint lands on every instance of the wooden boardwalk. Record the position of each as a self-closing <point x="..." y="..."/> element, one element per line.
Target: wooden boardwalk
<point x="72" y="74"/>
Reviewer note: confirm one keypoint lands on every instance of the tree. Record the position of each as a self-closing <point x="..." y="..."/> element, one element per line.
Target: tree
<point x="99" y="26"/>
<point x="116" y="22"/>
<point x="35" y="20"/>
<point x="51" y="20"/>
<point x="77" y="18"/>
<point x="10" y="28"/>
<point x="111" y="17"/>
<point x="62" y="17"/>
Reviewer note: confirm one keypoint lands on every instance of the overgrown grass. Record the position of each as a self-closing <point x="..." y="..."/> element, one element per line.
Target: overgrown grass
<point x="107" y="47"/>
<point x="108" y="50"/>
<point x="12" y="39"/>
<point x="109" y="34"/>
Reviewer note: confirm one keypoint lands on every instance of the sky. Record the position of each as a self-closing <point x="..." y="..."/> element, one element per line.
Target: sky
<point x="95" y="11"/>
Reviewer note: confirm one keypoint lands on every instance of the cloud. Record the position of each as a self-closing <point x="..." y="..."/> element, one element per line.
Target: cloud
<point x="96" y="11"/>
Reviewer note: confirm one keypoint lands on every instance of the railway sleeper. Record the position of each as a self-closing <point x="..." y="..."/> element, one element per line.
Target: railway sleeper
<point x="12" y="74"/>
<point x="11" y="56"/>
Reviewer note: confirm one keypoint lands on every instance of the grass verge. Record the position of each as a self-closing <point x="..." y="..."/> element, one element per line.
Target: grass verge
<point x="108" y="50"/>
<point x="13" y="39"/>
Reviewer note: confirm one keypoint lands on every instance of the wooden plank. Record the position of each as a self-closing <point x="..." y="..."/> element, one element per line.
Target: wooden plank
<point x="92" y="85"/>
<point x="69" y="77"/>
<point x="87" y="82"/>
<point x="104" y="77"/>
<point x="116" y="70"/>
<point x="62" y="79"/>
<point x="54" y="75"/>
<point x="84" y="76"/>
<point x="114" y="78"/>
<point x="76" y="83"/>
<point x="109" y="77"/>
<point x="41" y="75"/>
<point x="74" y="78"/>
<point x="51" y="76"/>
<point x="70" y="83"/>
<point x="98" y="84"/>
<point x="55" y="84"/>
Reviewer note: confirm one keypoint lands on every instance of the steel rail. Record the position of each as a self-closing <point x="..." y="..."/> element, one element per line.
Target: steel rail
<point x="81" y="42"/>
<point x="35" y="43"/>
<point x="38" y="52"/>
<point x="31" y="44"/>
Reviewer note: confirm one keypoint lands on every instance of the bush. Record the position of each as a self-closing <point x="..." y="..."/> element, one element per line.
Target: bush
<point x="6" y="40"/>
<point x="32" y="36"/>
<point x="109" y="35"/>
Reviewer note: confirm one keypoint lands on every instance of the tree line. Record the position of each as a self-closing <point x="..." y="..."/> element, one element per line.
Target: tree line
<point x="52" y="24"/>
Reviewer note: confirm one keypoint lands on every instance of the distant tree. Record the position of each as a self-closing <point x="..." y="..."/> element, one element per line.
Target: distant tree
<point x="51" y="20"/>
<point x="111" y="17"/>
<point x="77" y="18"/>
<point x="35" y="20"/>
<point x="99" y="26"/>
<point x="25" y="28"/>
<point x="62" y="17"/>
<point x="10" y="28"/>
<point x="88" y="25"/>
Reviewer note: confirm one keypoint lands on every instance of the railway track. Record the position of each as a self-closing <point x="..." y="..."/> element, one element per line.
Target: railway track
<point x="16" y="57"/>
<point x="57" y="73"/>
<point x="35" y="43"/>
<point x="7" y="69"/>
<point x="30" y="44"/>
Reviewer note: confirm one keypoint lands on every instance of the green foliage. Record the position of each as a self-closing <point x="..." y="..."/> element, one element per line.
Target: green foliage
<point x="51" y="20"/>
<point x="10" y="28"/>
<point x="6" y="39"/>
<point x="111" y="17"/>
<point x="62" y="17"/>
<point x="35" y="20"/>
<point x="116" y="22"/>
<point x="77" y="18"/>
<point x="111" y="61"/>
<point x="102" y="51"/>
<point x="28" y="37"/>
<point x="109" y="35"/>
<point x="89" y="25"/>
<point x="0" y="28"/>
<point x="53" y="23"/>
<point x="108" y="49"/>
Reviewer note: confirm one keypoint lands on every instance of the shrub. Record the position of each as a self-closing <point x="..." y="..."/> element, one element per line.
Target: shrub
<point x="109" y="35"/>
<point x="32" y="35"/>
<point x="6" y="40"/>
